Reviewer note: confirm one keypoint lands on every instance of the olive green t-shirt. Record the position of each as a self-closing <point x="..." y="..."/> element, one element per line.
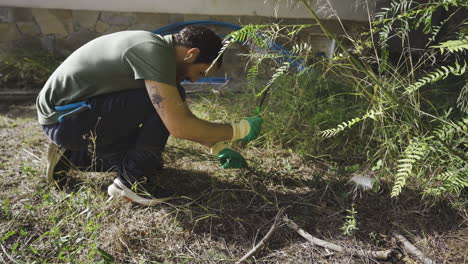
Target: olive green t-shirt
<point x="111" y="63"/>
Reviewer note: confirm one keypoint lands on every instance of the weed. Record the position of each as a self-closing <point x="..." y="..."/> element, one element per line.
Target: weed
<point x="26" y="69"/>
<point x="29" y="170"/>
<point x="350" y="225"/>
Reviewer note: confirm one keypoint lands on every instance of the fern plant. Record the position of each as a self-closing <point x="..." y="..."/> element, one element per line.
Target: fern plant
<point x="415" y="151"/>
<point x="453" y="181"/>
<point x="412" y="131"/>
<point x="341" y="127"/>
<point x="440" y="74"/>
<point x="457" y="45"/>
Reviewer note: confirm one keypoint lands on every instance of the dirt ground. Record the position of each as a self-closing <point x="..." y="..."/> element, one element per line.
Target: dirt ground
<point x="222" y="213"/>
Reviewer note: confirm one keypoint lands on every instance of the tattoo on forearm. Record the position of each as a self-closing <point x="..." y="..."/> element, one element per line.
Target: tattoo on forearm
<point x="156" y="99"/>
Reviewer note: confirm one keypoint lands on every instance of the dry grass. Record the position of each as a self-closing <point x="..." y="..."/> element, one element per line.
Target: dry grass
<point x="224" y="213"/>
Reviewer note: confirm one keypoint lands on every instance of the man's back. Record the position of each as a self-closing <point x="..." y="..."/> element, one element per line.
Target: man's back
<point x="110" y="63"/>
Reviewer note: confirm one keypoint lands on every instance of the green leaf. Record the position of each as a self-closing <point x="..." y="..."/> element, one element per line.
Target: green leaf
<point x="33" y="249"/>
<point x="108" y="258"/>
<point x="15" y="246"/>
<point x="9" y="234"/>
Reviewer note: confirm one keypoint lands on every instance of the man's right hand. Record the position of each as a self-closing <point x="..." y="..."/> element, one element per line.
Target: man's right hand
<point x="247" y="129"/>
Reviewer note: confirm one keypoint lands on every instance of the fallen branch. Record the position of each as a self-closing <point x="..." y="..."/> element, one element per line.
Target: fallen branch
<point x="264" y="239"/>
<point x="379" y="255"/>
<point x="410" y="248"/>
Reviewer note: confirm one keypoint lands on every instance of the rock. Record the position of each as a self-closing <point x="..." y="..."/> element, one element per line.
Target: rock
<point x="28" y="28"/>
<point x="23" y="15"/>
<point x="58" y="22"/>
<point x="118" y="18"/>
<point x="6" y="15"/>
<point x="9" y="32"/>
<point x="85" y="19"/>
<point x="146" y="27"/>
<point x="102" y="27"/>
<point x="151" y="19"/>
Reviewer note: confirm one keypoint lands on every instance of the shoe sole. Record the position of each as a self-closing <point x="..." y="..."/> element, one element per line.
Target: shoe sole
<point x="53" y="156"/>
<point x="118" y="190"/>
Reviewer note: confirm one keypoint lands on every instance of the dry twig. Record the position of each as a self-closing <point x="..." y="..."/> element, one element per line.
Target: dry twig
<point x="410" y="248"/>
<point x="379" y="255"/>
<point x="264" y="239"/>
<point x="8" y="255"/>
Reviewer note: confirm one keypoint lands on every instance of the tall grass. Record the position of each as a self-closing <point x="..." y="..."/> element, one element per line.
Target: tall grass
<point x="406" y="111"/>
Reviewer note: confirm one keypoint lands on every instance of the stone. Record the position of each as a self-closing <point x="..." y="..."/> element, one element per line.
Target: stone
<point x="66" y="17"/>
<point x="229" y="19"/>
<point x="74" y="40"/>
<point x="58" y="22"/>
<point x="23" y="15"/>
<point x="85" y="19"/>
<point x="102" y="27"/>
<point x="151" y="18"/>
<point x="113" y="29"/>
<point x="48" y="43"/>
<point x="81" y="37"/>
<point x="28" y="28"/>
<point x="6" y="15"/>
<point x="9" y="32"/>
<point x="144" y="27"/>
<point x="254" y="20"/>
<point x="195" y="17"/>
<point x="176" y="18"/>
<point x="118" y="18"/>
<point x="5" y="48"/>
<point x="28" y="43"/>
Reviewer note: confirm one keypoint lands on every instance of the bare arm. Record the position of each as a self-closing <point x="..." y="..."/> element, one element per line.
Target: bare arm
<point x="178" y="118"/>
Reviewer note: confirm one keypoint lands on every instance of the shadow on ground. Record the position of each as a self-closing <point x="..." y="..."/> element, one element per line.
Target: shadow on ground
<point x="240" y="211"/>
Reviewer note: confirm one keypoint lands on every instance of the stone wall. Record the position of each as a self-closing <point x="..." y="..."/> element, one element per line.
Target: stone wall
<point x="62" y="31"/>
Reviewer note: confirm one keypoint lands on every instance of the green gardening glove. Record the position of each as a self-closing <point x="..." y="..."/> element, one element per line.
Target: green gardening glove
<point x="230" y="159"/>
<point x="255" y="123"/>
<point x="247" y="129"/>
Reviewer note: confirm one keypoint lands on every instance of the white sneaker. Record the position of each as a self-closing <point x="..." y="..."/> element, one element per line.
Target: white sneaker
<point x="118" y="190"/>
<point x="54" y="154"/>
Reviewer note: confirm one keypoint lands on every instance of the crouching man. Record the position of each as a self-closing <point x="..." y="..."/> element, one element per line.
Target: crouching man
<point x="113" y="103"/>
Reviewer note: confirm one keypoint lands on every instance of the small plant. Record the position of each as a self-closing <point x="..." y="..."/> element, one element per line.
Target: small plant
<point x="350" y="225"/>
<point x="28" y="170"/>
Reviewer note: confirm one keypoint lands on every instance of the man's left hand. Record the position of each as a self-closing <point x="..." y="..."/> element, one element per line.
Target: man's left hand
<point x="230" y="159"/>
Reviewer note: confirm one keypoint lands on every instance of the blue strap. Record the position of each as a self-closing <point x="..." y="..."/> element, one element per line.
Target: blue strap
<point x="70" y="106"/>
<point x="211" y="80"/>
<point x="77" y="108"/>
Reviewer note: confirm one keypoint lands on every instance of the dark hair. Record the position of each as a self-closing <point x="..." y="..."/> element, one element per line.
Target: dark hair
<point x="202" y="38"/>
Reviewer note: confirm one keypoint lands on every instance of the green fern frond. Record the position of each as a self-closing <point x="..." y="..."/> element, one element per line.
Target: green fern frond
<point x="454" y="130"/>
<point x="453" y="181"/>
<point x="249" y="32"/>
<point x="453" y="45"/>
<point x="436" y="28"/>
<point x="246" y="33"/>
<point x="334" y="131"/>
<point x="253" y="73"/>
<point x="437" y="75"/>
<point x="301" y="48"/>
<point x="279" y="72"/>
<point x="414" y="152"/>
<point x="462" y="100"/>
<point x="396" y="6"/>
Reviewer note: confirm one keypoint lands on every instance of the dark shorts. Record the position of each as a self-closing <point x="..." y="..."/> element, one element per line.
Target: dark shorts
<point x="121" y="131"/>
